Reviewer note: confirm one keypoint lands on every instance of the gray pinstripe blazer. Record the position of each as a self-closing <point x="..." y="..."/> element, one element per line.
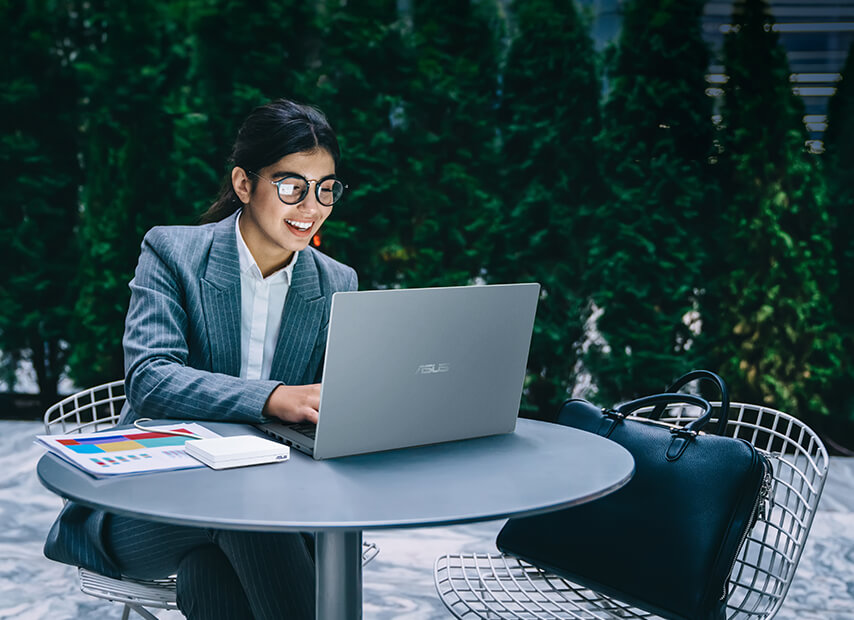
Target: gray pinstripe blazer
<point x="182" y="334"/>
<point x="182" y="347"/>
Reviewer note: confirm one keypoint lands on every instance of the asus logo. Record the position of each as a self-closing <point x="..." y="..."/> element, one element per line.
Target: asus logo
<point x="430" y="369"/>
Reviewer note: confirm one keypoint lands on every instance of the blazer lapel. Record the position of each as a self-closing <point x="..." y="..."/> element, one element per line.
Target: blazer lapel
<point x="220" y="288"/>
<point x="301" y="323"/>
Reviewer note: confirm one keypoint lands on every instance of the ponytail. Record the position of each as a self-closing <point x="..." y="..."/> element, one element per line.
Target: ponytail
<point x="225" y="204"/>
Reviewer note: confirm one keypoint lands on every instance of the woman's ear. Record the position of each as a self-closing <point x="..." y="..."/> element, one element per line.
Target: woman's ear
<point x="241" y="184"/>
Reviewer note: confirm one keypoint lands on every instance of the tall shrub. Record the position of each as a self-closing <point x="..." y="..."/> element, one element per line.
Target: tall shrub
<point x="38" y="154"/>
<point x="243" y="55"/>
<point x="361" y="80"/>
<point x="769" y="309"/>
<point x="648" y="241"/>
<point x="129" y="62"/>
<point x="447" y="143"/>
<point x="549" y="185"/>
<point x="839" y="161"/>
<point x="167" y="85"/>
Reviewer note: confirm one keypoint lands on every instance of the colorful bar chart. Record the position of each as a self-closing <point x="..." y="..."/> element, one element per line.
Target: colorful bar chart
<point x="123" y="441"/>
<point x="130" y="451"/>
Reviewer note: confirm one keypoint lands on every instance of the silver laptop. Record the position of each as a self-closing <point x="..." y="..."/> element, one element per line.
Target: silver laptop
<point x="409" y="367"/>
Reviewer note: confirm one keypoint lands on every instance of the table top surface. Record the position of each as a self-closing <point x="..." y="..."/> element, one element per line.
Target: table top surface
<point x="539" y="467"/>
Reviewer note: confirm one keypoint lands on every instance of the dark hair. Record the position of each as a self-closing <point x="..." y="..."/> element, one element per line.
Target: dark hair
<point x="270" y="132"/>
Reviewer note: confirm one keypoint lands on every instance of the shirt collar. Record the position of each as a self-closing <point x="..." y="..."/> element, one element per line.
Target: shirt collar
<point x="248" y="265"/>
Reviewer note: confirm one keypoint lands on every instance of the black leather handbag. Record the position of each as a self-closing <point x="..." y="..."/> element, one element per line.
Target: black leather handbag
<point x="666" y="542"/>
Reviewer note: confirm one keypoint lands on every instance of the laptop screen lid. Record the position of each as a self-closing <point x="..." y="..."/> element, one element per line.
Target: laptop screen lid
<point x="408" y="367"/>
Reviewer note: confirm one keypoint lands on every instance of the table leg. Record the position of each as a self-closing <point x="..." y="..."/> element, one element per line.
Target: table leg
<point x="339" y="574"/>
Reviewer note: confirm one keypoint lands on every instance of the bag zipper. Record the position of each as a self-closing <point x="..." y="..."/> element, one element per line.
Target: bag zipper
<point x="761" y="509"/>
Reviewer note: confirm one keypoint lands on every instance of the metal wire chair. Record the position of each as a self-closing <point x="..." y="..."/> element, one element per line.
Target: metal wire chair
<point x="492" y="585"/>
<point x="87" y="412"/>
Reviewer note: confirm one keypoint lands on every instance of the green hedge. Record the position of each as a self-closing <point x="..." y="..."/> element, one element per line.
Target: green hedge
<point x="482" y="143"/>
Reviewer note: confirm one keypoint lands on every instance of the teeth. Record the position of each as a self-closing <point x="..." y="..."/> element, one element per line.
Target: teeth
<point x="299" y="225"/>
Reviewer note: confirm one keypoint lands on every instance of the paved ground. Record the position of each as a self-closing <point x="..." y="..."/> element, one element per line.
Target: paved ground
<point x="398" y="584"/>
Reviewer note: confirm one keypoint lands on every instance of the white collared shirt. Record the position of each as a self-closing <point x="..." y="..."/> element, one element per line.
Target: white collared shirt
<point x="262" y="301"/>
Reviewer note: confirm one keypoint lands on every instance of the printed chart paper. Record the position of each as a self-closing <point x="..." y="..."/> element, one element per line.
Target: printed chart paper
<point x="130" y="451"/>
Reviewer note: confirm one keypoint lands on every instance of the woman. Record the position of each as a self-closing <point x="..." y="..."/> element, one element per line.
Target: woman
<point x="227" y="321"/>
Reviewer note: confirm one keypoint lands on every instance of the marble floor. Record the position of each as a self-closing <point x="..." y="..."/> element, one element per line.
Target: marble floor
<point x="397" y="584"/>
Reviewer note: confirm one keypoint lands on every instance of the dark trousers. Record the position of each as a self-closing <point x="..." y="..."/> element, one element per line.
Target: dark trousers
<point x="221" y="573"/>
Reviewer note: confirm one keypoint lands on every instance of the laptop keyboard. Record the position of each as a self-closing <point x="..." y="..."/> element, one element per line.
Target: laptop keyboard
<point x="306" y="428"/>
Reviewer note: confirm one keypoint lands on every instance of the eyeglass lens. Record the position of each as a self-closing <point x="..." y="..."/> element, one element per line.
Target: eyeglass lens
<point x="294" y="189"/>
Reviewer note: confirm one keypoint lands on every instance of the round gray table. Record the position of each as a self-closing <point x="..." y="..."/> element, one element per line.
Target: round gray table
<point x="538" y="468"/>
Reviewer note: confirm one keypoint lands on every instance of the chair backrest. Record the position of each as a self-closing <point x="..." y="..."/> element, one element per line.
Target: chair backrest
<point x="766" y="564"/>
<point x="87" y="411"/>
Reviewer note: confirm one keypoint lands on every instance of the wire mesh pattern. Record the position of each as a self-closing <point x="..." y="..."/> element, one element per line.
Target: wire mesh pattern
<point x="499" y="586"/>
<point x="88" y="411"/>
<point x="369" y="551"/>
<point x="158" y="593"/>
<point x="502" y="586"/>
<point x="96" y="409"/>
<point x="135" y="594"/>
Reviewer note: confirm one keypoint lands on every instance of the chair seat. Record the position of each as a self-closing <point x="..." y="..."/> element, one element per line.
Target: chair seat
<point x="92" y="410"/>
<point x="158" y="593"/>
<point x="500" y="586"/>
<point x="486" y="585"/>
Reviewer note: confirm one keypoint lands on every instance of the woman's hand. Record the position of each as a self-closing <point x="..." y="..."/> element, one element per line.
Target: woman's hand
<point x="294" y="403"/>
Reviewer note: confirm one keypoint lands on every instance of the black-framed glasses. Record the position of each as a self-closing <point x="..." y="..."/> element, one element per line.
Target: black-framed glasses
<point x="293" y="189"/>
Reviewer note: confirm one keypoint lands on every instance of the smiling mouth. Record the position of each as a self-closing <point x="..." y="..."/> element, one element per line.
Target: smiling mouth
<point x="300" y="228"/>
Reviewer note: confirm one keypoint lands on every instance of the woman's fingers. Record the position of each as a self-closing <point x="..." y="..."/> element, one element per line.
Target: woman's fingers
<point x="294" y="403"/>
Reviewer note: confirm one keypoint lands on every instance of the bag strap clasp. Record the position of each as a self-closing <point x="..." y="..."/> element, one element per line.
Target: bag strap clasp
<point x="681" y="438"/>
<point x="611" y="418"/>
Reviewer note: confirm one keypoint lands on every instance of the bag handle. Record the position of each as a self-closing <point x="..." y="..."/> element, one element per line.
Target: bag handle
<point x="669" y="398"/>
<point x="681" y="436"/>
<point x="696" y="375"/>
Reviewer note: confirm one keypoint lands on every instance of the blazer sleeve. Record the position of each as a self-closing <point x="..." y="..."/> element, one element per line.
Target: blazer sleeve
<point x="160" y="383"/>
